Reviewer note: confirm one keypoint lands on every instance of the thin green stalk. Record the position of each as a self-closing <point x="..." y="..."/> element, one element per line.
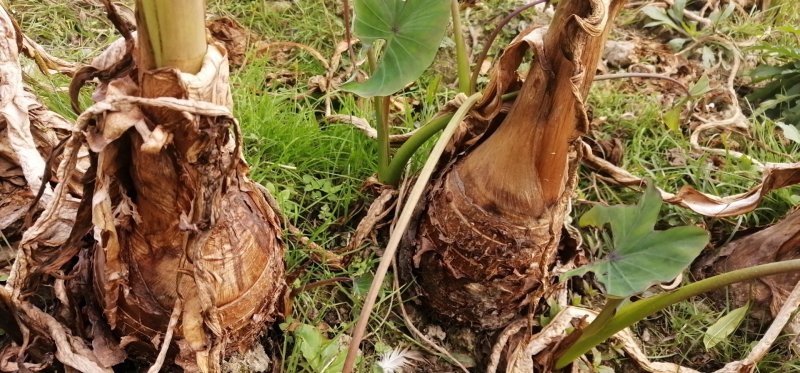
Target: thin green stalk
<point x="461" y="50"/>
<point x="407" y="150"/>
<point x="175" y="31"/>
<point x="606" y="314"/>
<point x="381" y="105"/>
<point x="632" y="313"/>
<point x="382" y="112"/>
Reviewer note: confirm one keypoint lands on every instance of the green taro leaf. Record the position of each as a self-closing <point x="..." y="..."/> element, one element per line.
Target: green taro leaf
<point x="412" y="30"/>
<point x="640" y="256"/>
<point x="724" y="327"/>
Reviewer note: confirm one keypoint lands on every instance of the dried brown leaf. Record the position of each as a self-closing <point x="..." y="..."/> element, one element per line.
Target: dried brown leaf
<point x="29" y="137"/>
<point x="203" y="226"/>
<point x="168" y="203"/>
<point x="380" y="208"/>
<point x="775" y="176"/>
<point x="235" y="37"/>
<point x="776" y="243"/>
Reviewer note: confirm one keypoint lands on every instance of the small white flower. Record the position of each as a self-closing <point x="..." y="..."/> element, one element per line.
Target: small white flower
<point x="399" y="360"/>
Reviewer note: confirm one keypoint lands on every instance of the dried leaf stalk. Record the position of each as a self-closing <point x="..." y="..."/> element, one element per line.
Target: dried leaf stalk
<point x="178" y="218"/>
<point x="29" y="133"/>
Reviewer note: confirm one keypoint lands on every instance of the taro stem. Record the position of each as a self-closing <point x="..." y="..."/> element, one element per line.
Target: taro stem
<point x="462" y="58"/>
<point x="493" y="221"/>
<point x="172" y="34"/>
<point x="526" y="159"/>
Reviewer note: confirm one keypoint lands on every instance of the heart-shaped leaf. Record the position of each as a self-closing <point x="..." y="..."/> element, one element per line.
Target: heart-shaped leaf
<point x="412" y="30"/>
<point x="640" y="256"/>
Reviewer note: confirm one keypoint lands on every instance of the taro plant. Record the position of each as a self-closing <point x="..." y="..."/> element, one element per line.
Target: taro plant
<point x="185" y="250"/>
<point x="640" y="257"/>
<point x="402" y="38"/>
<point x="490" y="221"/>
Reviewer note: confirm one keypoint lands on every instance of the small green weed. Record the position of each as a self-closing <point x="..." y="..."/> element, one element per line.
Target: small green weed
<point x="780" y="95"/>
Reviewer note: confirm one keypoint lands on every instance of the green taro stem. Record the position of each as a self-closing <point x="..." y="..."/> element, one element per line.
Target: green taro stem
<point x="461" y="50"/>
<point x="634" y="312"/>
<point x="382" y="115"/>
<point x="176" y="30"/>
<point x="606" y="314"/>
<point x="407" y="150"/>
<point x="381" y="107"/>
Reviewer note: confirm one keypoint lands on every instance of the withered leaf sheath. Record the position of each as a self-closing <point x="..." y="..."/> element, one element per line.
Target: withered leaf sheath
<point x="493" y="221"/>
<point x="176" y="216"/>
<point x="171" y="215"/>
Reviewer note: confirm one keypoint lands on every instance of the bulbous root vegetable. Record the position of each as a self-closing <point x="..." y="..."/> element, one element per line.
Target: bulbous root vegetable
<point x="491" y="227"/>
<point x="169" y="230"/>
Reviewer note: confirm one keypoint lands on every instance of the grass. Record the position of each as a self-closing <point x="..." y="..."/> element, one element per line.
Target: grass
<point x="317" y="171"/>
<point x="650" y="145"/>
<point x="636" y="119"/>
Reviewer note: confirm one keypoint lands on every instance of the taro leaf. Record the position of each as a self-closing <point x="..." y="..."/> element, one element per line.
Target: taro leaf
<point x="724" y="327"/>
<point x="640" y="256"/>
<point x="412" y="30"/>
